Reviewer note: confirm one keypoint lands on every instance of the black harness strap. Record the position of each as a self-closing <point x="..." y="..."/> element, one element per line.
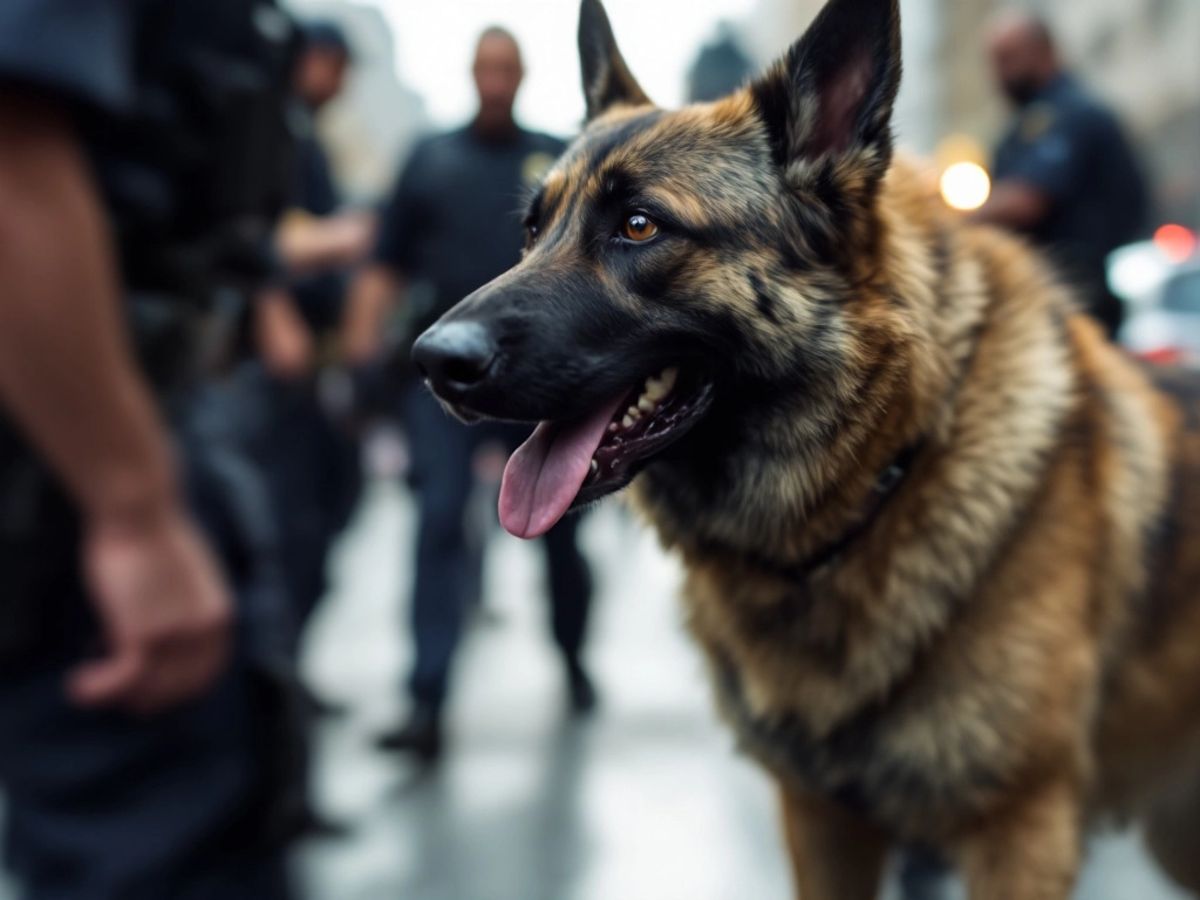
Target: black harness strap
<point x="885" y="487"/>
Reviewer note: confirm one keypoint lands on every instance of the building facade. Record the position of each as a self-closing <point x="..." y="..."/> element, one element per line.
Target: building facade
<point x="1139" y="55"/>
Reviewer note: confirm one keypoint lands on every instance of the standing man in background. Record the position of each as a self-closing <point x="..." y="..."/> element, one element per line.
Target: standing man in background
<point x="452" y="225"/>
<point x="308" y="455"/>
<point x="1064" y="174"/>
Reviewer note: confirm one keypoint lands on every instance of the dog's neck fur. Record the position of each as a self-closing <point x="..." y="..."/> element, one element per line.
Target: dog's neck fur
<point x="795" y="478"/>
<point x="781" y="471"/>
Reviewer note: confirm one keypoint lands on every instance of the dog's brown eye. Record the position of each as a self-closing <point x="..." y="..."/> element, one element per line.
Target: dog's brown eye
<point x="639" y="229"/>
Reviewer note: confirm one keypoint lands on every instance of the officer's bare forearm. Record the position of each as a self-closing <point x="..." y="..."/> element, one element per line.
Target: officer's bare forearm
<point x="309" y="244"/>
<point x="67" y="376"/>
<point x="376" y="290"/>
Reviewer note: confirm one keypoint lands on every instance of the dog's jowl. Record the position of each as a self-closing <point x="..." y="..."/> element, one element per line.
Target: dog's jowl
<point x="942" y="539"/>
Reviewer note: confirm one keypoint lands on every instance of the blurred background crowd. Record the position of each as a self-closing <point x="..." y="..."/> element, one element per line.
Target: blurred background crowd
<point x="483" y="719"/>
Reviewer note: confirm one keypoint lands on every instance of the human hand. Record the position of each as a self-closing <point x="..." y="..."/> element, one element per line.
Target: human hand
<point x="284" y="340"/>
<point x="165" y="611"/>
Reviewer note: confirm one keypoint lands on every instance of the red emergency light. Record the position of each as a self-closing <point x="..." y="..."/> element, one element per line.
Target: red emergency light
<point x="1176" y="242"/>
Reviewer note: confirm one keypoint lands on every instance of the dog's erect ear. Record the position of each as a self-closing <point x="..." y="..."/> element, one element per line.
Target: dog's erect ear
<point x="607" y="81"/>
<point x="832" y="93"/>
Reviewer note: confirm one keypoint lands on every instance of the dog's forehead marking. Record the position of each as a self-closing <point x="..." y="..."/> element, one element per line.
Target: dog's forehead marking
<point x="555" y="187"/>
<point x="569" y="178"/>
<point x="554" y="184"/>
<point x="609" y="134"/>
<point x="685" y="161"/>
<point x="684" y="149"/>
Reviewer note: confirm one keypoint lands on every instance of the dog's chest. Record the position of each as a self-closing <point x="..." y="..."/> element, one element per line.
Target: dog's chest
<point x="844" y="763"/>
<point x="869" y="762"/>
<point x="828" y="697"/>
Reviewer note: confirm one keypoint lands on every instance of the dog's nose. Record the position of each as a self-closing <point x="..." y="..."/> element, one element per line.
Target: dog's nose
<point x="454" y="356"/>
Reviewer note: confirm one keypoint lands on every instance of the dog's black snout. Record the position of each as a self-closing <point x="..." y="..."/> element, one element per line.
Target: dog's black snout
<point x="455" y="355"/>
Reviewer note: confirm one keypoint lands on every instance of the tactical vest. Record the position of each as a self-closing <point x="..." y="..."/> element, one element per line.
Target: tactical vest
<point x="197" y="170"/>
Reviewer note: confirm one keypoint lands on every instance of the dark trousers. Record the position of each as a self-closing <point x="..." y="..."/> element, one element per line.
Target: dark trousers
<point x="102" y="805"/>
<point x="442" y="451"/>
<point x="312" y="472"/>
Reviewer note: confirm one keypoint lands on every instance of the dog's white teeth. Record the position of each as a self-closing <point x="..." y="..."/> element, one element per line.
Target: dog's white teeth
<point x="595" y="467"/>
<point x="658" y="386"/>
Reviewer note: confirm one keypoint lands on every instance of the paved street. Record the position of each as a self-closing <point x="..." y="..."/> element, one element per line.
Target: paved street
<point x="646" y="802"/>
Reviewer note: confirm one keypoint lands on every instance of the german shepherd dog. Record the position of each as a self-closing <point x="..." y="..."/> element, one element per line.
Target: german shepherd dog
<point x="942" y="540"/>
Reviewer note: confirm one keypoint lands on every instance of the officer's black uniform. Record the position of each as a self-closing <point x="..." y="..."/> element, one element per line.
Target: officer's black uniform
<point x="179" y="104"/>
<point x="452" y="225"/>
<point x="315" y="192"/>
<point x="1072" y="150"/>
<point x="311" y="461"/>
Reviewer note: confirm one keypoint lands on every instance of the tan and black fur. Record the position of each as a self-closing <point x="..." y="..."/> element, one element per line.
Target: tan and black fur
<point x="1007" y="650"/>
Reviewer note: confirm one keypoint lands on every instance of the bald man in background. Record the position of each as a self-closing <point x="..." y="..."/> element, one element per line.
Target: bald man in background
<point x="1065" y="174"/>
<point x="452" y="224"/>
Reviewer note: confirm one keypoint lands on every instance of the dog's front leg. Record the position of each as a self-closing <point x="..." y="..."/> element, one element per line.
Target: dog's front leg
<point x="835" y="855"/>
<point x="1030" y="851"/>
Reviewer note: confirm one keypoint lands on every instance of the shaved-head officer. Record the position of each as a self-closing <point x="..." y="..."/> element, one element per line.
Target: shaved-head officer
<point x="1065" y="174"/>
<point x="452" y="224"/>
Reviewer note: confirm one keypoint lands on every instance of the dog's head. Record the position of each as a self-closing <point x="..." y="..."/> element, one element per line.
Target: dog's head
<point x="677" y="263"/>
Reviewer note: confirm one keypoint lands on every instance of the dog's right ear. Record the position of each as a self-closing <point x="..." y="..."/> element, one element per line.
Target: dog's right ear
<point x="607" y="81"/>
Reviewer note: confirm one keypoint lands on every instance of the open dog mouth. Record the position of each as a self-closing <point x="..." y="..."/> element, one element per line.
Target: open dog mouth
<point x="565" y="465"/>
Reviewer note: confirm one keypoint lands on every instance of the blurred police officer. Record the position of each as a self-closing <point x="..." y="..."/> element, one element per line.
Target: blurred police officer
<point x="451" y="226"/>
<point x="1065" y="175"/>
<point x="138" y="144"/>
<point x="304" y="446"/>
<point x="721" y="67"/>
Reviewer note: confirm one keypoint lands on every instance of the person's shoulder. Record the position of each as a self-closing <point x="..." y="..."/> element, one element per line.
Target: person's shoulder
<point x="431" y="147"/>
<point x="80" y="51"/>
<point x="439" y="140"/>
<point x="1077" y="106"/>
<point x="541" y="142"/>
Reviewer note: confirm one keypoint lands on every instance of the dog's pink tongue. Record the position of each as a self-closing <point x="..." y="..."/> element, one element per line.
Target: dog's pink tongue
<point x="543" y="477"/>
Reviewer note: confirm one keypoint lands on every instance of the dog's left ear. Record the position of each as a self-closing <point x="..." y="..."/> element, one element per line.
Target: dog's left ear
<point x="832" y="94"/>
<point x="607" y="81"/>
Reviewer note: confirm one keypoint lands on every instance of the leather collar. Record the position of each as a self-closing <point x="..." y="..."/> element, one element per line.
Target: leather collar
<point x="886" y="485"/>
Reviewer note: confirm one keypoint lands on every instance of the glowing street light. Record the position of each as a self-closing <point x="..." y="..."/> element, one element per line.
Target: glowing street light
<point x="966" y="186"/>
